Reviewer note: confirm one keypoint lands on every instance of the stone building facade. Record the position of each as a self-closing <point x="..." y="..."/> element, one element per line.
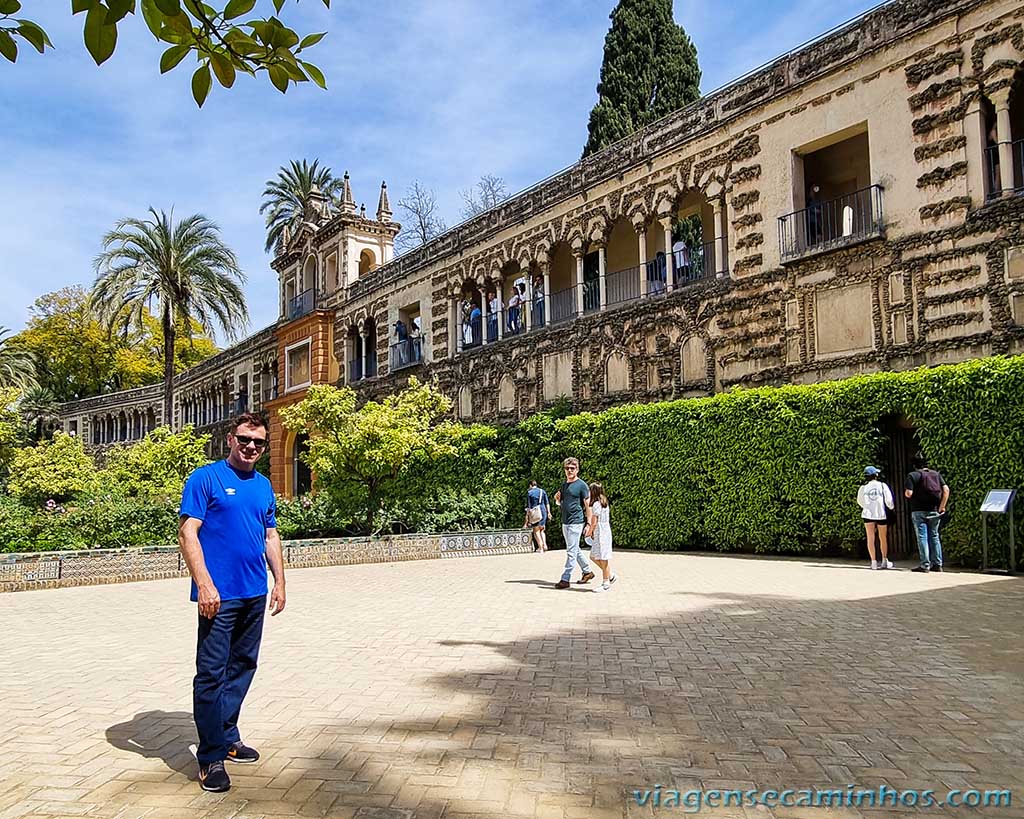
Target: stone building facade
<point x="854" y="206"/>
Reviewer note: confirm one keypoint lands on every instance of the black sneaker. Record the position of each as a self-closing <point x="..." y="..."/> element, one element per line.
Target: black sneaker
<point x="214" y="778"/>
<point x="242" y="753"/>
<point x="920" y="569"/>
<point x="936" y="568"/>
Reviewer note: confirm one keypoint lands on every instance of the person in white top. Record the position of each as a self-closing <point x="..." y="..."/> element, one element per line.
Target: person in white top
<point x="599" y="536"/>
<point x="874" y="497"/>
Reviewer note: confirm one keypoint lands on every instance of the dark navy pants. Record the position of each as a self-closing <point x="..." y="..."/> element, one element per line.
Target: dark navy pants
<point x="226" y="655"/>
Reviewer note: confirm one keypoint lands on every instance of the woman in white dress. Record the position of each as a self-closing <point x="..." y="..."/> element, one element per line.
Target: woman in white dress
<point x="599" y="536"/>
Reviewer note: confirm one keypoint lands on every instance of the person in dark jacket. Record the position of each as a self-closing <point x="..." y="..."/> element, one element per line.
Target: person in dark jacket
<point x="928" y="494"/>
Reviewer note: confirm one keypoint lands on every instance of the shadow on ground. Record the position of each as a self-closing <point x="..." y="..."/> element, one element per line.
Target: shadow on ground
<point x="164" y="735"/>
<point x="916" y="690"/>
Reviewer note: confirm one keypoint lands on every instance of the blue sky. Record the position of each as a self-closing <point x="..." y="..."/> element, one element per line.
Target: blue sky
<point x="441" y="91"/>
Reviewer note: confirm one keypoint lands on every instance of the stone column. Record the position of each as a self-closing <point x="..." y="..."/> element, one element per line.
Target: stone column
<point x="499" y="296"/>
<point x="641" y="236"/>
<point x="546" y="270"/>
<point x="526" y="310"/>
<point x="483" y="310"/>
<point x="455" y="327"/>
<point x="977" y="158"/>
<point x="579" y="281"/>
<point x="1004" y="133"/>
<point x="721" y="250"/>
<point x="365" y="351"/>
<point x="602" y="271"/>
<point x="670" y="274"/>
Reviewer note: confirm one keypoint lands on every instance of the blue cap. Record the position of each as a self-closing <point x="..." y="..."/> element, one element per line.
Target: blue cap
<point x="871" y="471"/>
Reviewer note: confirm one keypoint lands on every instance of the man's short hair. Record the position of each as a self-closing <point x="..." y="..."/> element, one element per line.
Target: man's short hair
<point x="533" y="483"/>
<point x="248" y="419"/>
<point x="571" y="462"/>
<point x="918" y="462"/>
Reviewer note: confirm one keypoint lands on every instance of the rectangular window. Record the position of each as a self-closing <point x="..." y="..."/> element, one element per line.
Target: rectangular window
<point x="297" y="366"/>
<point x="837" y="204"/>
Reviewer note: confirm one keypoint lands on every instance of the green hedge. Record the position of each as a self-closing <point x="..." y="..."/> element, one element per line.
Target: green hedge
<point x="764" y="470"/>
<point x="771" y="470"/>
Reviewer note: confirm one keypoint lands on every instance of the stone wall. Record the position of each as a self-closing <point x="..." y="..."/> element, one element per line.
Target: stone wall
<point x="41" y="570"/>
<point x="938" y="281"/>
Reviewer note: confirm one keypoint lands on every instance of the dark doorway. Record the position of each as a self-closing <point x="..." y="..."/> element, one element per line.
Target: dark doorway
<point x="899" y="446"/>
<point x="303" y="476"/>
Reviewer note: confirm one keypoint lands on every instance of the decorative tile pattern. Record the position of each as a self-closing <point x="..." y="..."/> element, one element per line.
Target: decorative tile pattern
<point x="96" y="566"/>
<point x="470" y="544"/>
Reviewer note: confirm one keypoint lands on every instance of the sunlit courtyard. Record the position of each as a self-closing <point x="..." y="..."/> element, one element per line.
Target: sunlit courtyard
<point x="473" y="688"/>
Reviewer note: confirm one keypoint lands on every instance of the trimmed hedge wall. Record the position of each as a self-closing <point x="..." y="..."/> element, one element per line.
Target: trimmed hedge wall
<point x="769" y="469"/>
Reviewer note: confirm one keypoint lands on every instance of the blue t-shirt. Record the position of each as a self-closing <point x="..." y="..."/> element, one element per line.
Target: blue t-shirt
<point x="573" y="495"/>
<point x="236" y="509"/>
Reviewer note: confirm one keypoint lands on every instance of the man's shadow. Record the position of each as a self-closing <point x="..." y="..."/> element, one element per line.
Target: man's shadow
<point x="165" y="735"/>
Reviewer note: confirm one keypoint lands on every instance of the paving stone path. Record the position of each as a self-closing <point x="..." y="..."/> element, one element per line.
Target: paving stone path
<point x="472" y="688"/>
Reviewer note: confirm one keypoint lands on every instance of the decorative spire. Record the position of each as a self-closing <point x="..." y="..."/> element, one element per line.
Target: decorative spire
<point x="384" y="206"/>
<point x="348" y="204"/>
<point x="317" y="203"/>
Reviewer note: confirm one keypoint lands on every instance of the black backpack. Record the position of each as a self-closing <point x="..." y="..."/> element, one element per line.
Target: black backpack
<point x="931" y="484"/>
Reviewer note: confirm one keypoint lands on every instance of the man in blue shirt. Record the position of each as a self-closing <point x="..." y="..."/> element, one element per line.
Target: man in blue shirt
<point x="227" y="532"/>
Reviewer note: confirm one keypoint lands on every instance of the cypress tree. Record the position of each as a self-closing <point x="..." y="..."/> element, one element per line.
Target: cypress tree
<point x="650" y="69"/>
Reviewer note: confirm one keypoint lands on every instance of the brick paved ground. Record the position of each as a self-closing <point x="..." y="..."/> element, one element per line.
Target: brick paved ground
<point x="471" y="688"/>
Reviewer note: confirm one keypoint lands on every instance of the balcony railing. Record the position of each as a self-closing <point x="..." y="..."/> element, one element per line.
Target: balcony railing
<point x="563" y="305"/>
<point x="302" y="304"/>
<point x="829" y="225"/>
<point x="693" y="264"/>
<point x="622" y="286"/>
<point x="994" y="172"/>
<point x="358" y="369"/>
<point x="407" y="353"/>
<point x="269" y="394"/>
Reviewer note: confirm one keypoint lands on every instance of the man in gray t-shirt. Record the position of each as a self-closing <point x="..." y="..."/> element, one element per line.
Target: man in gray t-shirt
<point x="574" y="500"/>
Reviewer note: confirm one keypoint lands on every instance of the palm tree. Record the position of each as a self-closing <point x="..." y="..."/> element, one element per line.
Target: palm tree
<point x="286" y="199"/>
<point x="40" y="410"/>
<point x="17" y="369"/>
<point x="185" y="268"/>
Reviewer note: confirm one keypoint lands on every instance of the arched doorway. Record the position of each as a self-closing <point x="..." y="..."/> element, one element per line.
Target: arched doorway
<point x="302" y="477"/>
<point x="900" y="444"/>
<point x="367" y="262"/>
<point x="370" y="333"/>
<point x="563" y="283"/>
<point x="355" y="348"/>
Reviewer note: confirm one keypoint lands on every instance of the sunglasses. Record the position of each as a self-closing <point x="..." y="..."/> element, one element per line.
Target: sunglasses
<point x="245" y="440"/>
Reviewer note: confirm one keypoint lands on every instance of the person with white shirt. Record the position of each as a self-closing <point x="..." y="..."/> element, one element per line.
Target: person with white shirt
<point x="599" y="536"/>
<point x="874" y="497"/>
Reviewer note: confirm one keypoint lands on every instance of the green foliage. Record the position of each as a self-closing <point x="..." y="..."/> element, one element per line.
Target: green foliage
<point x="650" y="69"/>
<point x="55" y="470"/>
<point x="16" y="366"/>
<point x="287" y="200"/>
<point x="75" y="356"/>
<point x="316" y="515"/>
<point x="156" y="466"/>
<point x="221" y="43"/>
<point x="360" y="456"/>
<point x="185" y="267"/>
<point x="13" y="431"/>
<point x="100" y="522"/>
